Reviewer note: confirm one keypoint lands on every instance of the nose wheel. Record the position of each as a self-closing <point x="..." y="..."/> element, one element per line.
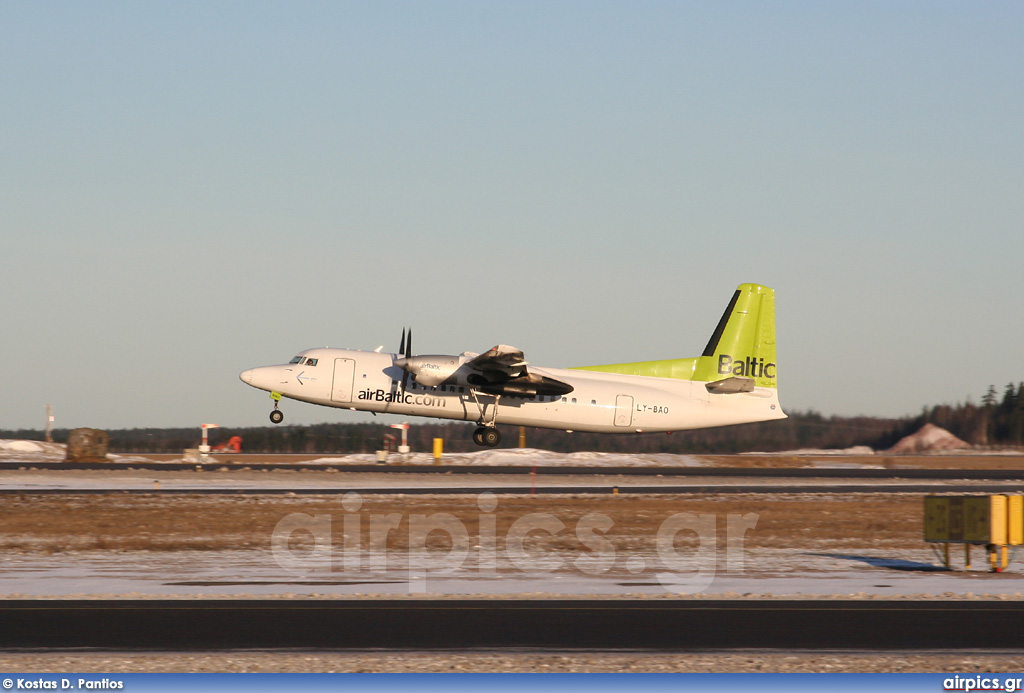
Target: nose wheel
<point x="276" y="416"/>
<point x="486" y="436"/>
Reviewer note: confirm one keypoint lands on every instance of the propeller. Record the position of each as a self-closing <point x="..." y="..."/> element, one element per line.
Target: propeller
<point x="405" y="351"/>
<point x="428" y="370"/>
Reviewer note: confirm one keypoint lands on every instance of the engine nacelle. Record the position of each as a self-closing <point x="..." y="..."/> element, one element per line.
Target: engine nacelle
<point x="430" y="370"/>
<point x="529" y="386"/>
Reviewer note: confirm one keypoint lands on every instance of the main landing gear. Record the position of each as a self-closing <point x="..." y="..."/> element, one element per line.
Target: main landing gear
<point x="276" y="416"/>
<point x="486" y="436"/>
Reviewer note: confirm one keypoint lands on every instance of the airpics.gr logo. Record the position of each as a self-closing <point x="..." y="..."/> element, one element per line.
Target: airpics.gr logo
<point x="751" y="367"/>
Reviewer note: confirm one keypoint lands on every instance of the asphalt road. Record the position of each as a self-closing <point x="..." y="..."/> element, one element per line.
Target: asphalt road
<point x="554" y="623"/>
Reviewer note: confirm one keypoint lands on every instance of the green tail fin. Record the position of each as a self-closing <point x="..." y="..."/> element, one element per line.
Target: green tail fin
<point x="743" y="345"/>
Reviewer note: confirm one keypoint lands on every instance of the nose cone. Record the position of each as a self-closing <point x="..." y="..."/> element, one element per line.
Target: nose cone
<point x="267" y="378"/>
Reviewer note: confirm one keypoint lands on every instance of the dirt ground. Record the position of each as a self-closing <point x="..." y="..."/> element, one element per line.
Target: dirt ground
<point x="123" y="522"/>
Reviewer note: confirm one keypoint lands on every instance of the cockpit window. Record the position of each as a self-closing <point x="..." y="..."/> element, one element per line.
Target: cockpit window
<point x="302" y="361"/>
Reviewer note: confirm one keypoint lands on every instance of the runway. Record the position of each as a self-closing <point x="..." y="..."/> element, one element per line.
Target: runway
<point x="839" y="472"/>
<point x="541" y="623"/>
<point x="368" y="480"/>
<point x="232" y="490"/>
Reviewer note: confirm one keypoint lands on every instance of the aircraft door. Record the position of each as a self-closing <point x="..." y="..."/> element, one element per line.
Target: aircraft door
<point x="344" y="374"/>
<point x="623" y="410"/>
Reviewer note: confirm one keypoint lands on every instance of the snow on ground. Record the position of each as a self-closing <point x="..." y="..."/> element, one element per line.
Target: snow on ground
<point x="22" y="449"/>
<point x="29" y="451"/>
<point x="526" y="457"/>
<point x="859" y="450"/>
<point x="929" y="438"/>
<point x="769" y="573"/>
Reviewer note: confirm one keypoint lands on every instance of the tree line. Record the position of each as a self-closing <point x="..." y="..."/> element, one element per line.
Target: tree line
<point x="997" y="422"/>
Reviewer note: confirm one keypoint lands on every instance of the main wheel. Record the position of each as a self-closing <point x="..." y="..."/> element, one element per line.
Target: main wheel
<point x="276" y="416"/>
<point x="490" y="437"/>
<point x="478" y="436"/>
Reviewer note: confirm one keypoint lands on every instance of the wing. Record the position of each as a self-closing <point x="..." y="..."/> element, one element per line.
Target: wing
<point x="500" y="360"/>
<point x="501" y="370"/>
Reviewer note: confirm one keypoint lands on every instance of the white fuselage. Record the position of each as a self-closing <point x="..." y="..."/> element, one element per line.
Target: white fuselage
<point x="600" y="402"/>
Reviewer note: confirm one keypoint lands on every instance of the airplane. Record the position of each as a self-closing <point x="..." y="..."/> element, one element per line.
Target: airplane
<point x="733" y="381"/>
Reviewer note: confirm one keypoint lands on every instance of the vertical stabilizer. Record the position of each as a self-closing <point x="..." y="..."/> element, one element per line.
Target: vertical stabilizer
<point x="743" y="344"/>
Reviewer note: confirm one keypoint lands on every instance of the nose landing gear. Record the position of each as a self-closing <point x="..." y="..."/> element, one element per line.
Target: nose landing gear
<point x="276" y="416"/>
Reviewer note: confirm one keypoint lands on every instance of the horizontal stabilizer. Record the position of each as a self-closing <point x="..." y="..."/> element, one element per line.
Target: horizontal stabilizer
<point x="731" y="386"/>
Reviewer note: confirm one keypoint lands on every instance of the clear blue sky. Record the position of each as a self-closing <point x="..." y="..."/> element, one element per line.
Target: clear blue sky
<point x="189" y="189"/>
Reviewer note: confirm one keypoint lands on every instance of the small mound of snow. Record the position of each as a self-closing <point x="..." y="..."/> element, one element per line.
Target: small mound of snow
<point x="855" y="450"/>
<point x="930" y="438"/>
<point x="31" y="451"/>
<point x="21" y="446"/>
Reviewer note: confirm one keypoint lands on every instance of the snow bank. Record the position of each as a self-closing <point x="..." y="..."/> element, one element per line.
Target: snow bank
<point x="929" y="439"/>
<point x="526" y="456"/>
<point x="30" y="451"/>
<point x="855" y="450"/>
